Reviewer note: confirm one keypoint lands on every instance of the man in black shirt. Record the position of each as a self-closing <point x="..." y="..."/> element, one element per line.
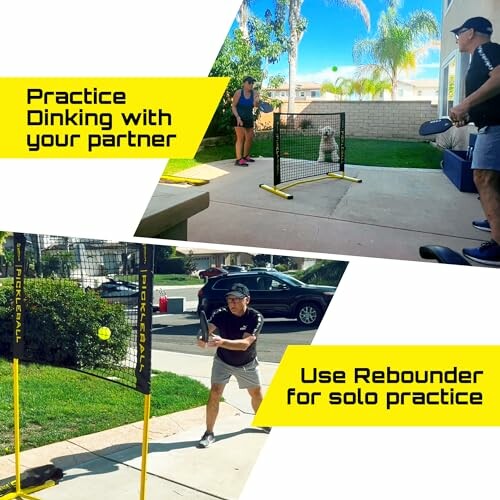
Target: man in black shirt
<point x="482" y="106"/>
<point x="238" y="327"/>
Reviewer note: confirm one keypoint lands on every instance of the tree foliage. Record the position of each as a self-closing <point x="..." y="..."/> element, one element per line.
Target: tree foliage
<point x="286" y="262"/>
<point x="3" y="237"/>
<point x="248" y="50"/>
<point x="162" y="254"/>
<point x="276" y="81"/>
<point x="360" y="86"/>
<point x="58" y="264"/>
<point x="189" y="263"/>
<point x="62" y="323"/>
<point x="325" y="272"/>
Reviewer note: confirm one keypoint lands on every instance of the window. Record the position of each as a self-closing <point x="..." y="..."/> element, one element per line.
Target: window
<point x="314" y="93"/>
<point x="302" y="93"/>
<point x="419" y="93"/>
<point x="227" y="283"/>
<point x="452" y="86"/>
<point x="278" y="285"/>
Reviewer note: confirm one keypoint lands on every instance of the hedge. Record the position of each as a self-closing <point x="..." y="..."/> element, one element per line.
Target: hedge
<point x="62" y="321"/>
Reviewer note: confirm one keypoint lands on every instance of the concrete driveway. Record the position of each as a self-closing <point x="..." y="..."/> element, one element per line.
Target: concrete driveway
<point x="390" y="214"/>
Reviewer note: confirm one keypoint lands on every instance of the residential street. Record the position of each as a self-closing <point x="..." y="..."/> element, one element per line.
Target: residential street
<point x="177" y="333"/>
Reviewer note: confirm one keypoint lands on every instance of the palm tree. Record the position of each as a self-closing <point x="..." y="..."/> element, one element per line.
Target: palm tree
<point x="398" y="44"/>
<point x="375" y="86"/>
<point x="297" y="26"/>
<point x="360" y="86"/>
<point x="340" y="87"/>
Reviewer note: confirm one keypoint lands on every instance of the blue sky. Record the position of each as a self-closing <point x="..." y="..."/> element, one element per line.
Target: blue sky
<point x="332" y="31"/>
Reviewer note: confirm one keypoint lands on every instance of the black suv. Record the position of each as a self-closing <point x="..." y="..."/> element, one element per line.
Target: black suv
<point x="275" y="295"/>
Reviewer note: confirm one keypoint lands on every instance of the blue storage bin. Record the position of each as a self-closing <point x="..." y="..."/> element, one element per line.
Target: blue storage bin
<point x="457" y="168"/>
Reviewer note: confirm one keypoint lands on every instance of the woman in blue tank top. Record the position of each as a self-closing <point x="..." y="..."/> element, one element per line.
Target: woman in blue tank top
<point x="244" y="100"/>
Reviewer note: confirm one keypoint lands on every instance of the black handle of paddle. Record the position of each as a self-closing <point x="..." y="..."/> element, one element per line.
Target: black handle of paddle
<point x="204" y="326"/>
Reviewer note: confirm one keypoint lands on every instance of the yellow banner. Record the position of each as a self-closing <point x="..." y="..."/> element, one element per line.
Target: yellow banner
<point x="384" y="386"/>
<point x="106" y="117"/>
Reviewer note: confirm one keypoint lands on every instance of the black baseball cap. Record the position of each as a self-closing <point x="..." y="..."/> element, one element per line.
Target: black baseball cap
<point x="479" y="24"/>
<point x="238" y="290"/>
<point x="249" y="79"/>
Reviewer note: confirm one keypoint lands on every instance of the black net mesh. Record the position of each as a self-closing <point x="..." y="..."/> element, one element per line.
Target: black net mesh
<point x="308" y="145"/>
<point x="86" y="307"/>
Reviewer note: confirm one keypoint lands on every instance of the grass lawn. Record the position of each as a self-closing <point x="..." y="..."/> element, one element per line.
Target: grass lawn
<point x="373" y="152"/>
<point x="159" y="279"/>
<point x="169" y="279"/>
<point x="59" y="404"/>
<point x="177" y="279"/>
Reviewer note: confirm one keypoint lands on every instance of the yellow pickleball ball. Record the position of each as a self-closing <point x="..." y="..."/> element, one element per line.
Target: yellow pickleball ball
<point x="104" y="333"/>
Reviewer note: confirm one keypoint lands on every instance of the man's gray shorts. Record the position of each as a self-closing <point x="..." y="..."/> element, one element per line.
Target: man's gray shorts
<point x="248" y="375"/>
<point x="486" y="155"/>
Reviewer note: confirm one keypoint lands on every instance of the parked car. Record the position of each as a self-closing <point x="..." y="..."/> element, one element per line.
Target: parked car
<point x="211" y="272"/>
<point x="234" y="269"/>
<point x="119" y="291"/>
<point x="274" y="294"/>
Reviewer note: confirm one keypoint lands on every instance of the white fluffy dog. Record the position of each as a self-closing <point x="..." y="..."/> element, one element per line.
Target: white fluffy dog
<point x="328" y="146"/>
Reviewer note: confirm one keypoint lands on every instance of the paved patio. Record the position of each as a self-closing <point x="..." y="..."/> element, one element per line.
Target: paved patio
<point x="390" y="214"/>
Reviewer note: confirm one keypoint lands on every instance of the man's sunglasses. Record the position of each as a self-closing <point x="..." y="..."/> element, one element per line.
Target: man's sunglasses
<point x="461" y="31"/>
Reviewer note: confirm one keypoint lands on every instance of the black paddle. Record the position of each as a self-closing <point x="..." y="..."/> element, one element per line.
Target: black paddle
<point x="435" y="126"/>
<point x="204" y="326"/>
<point x="265" y="107"/>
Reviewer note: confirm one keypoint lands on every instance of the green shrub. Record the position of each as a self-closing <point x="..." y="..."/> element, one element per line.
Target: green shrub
<point x="281" y="268"/>
<point x="58" y="264"/>
<point x="324" y="272"/>
<point x="172" y="265"/>
<point x="306" y="124"/>
<point x="61" y="325"/>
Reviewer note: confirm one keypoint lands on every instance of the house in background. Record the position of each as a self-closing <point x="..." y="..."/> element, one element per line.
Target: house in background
<point x="205" y="258"/>
<point x="416" y="90"/>
<point x="408" y="90"/>
<point x="304" y="91"/>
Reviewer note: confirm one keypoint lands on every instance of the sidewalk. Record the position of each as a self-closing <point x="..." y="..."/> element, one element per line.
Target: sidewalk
<point x="390" y="214"/>
<point x="107" y="464"/>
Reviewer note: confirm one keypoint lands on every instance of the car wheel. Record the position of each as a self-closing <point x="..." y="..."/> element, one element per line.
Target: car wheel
<point x="309" y="314"/>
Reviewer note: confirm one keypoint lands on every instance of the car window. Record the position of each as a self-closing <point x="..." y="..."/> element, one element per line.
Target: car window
<point x="227" y="283"/>
<point x="250" y="282"/>
<point x="263" y="283"/>
<point x="291" y="280"/>
<point x="278" y="285"/>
